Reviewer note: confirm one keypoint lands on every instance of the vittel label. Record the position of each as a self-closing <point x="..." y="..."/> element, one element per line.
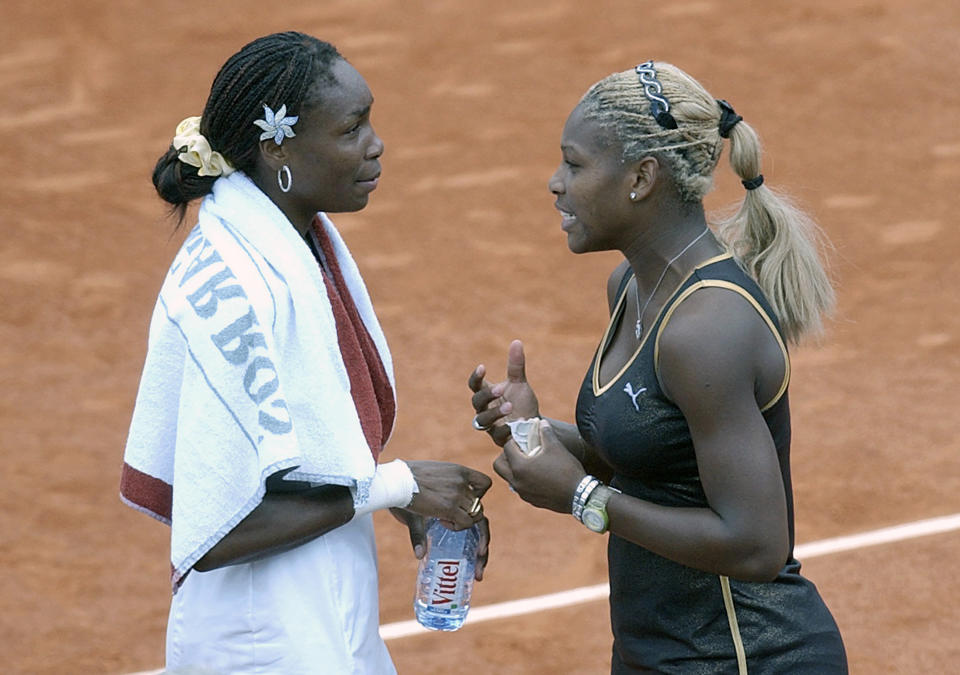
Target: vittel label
<point x="445" y="592"/>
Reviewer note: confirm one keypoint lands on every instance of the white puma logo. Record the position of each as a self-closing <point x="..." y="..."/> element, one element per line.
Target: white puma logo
<point x="634" y="394"/>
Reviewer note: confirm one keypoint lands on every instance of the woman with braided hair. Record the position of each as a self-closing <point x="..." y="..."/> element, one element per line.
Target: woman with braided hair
<point x="681" y="444"/>
<point x="267" y="394"/>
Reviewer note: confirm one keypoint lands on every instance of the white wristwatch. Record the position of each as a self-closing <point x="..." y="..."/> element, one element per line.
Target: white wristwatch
<point x="594" y="514"/>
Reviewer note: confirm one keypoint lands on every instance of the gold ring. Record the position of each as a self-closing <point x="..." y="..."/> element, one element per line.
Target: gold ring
<point x="475" y="508"/>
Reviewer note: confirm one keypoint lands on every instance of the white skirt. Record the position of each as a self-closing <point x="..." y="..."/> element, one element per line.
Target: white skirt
<point x="313" y="609"/>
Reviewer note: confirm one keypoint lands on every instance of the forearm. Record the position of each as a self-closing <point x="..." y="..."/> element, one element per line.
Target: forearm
<point x="292" y="513"/>
<point x="699" y="538"/>
<point x="280" y="522"/>
<point x="570" y="437"/>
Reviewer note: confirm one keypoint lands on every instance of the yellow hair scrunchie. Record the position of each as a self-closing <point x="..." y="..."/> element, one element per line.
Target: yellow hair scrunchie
<point x="195" y="150"/>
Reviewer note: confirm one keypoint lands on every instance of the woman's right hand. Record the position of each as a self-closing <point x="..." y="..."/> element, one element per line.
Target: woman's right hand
<point x="448" y="491"/>
<point x="511" y="399"/>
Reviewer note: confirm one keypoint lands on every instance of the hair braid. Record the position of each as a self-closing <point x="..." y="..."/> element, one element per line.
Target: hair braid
<point x="691" y="150"/>
<point x="775" y="242"/>
<point x="288" y="68"/>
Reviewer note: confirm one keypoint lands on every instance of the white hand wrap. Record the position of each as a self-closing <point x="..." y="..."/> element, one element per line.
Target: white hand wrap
<point x="393" y="486"/>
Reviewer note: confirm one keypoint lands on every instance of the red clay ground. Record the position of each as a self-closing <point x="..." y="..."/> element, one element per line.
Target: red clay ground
<point x="857" y="103"/>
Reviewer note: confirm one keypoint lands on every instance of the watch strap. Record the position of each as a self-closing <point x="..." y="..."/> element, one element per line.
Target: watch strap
<point x="597" y="506"/>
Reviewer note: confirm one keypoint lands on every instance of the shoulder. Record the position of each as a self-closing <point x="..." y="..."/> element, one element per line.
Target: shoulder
<point x="710" y="312"/>
<point x="714" y="337"/>
<point x="214" y="270"/>
<point x="615" y="281"/>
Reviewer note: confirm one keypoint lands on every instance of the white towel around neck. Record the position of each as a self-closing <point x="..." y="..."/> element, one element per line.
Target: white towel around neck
<point x="243" y="375"/>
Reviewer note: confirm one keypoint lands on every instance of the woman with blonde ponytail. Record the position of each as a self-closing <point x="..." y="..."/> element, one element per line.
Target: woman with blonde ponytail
<point x="681" y="447"/>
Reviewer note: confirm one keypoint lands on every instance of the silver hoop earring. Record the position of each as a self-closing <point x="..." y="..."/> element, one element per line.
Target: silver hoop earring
<point x="633" y="196"/>
<point x="284" y="170"/>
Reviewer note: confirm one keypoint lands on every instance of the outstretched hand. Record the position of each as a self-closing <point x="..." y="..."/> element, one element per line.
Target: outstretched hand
<point x="511" y="399"/>
<point x="547" y="479"/>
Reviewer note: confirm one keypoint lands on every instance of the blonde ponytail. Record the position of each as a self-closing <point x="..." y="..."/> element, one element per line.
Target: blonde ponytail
<point x="778" y="245"/>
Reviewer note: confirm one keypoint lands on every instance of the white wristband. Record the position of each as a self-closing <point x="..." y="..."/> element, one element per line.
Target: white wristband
<point x="393" y="485"/>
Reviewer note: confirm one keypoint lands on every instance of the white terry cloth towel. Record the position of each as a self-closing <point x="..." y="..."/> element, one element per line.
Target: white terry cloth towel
<point x="243" y="375"/>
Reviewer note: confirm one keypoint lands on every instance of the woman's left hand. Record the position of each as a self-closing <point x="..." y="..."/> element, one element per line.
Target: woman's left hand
<point x="547" y="479"/>
<point x="417" y="525"/>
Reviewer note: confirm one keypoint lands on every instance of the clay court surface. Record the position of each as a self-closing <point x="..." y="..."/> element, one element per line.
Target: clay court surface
<point x="857" y="103"/>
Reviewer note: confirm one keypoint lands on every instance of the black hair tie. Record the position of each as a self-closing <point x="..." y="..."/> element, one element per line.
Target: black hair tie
<point x="728" y="118"/>
<point x="665" y="120"/>
<point x="753" y="183"/>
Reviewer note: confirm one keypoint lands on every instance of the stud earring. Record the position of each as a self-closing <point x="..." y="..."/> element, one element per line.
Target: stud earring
<point x="633" y="196"/>
<point x="282" y="172"/>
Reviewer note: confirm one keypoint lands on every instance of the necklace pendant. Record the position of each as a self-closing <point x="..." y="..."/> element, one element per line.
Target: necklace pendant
<point x="639" y="328"/>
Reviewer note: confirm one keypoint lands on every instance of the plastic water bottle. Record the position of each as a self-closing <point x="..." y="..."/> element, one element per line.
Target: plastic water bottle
<point x="445" y="577"/>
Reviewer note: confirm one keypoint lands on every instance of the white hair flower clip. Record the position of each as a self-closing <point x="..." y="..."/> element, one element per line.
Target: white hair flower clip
<point x="276" y="125"/>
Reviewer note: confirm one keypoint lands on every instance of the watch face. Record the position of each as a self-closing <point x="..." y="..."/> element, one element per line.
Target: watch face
<point x="595" y="520"/>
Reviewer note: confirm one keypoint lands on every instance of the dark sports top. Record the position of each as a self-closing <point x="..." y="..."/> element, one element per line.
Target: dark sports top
<point x="666" y="616"/>
<point x="640" y="432"/>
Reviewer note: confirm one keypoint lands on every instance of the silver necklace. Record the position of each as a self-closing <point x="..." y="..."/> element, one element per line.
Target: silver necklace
<point x="657" y="285"/>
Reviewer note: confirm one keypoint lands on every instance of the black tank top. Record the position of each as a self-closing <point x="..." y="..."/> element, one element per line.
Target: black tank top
<point x="665" y="616"/>
<point x="638" y="430"/>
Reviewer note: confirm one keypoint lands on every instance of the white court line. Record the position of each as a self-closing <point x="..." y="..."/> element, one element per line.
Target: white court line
<point x="501" y="610"/>
<point x="576" y="596"/>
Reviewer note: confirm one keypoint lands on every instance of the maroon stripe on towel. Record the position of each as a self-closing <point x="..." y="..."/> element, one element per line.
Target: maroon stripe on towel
<point x="147" y="492"/>
<point x="370" y="387"/>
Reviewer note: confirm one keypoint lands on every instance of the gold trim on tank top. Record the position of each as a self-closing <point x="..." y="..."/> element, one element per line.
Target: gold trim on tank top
<point x="734" y="625"/>
<point x="719" y="283"/>
<point x="615" y="316"/>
